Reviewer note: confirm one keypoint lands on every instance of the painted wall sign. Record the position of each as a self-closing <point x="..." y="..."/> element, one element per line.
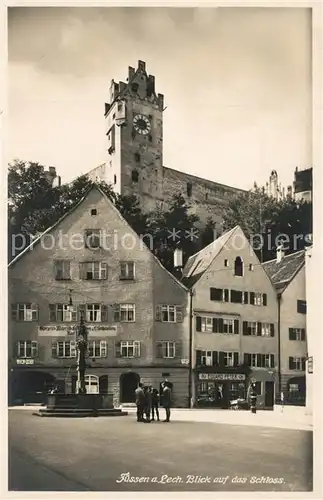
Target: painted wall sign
<point x="71" y="330"/>
<point x="25" y="361"/>
<point x="222" y="376"/>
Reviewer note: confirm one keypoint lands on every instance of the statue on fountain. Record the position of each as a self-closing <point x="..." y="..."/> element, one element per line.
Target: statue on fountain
<point x="81" y="345"/>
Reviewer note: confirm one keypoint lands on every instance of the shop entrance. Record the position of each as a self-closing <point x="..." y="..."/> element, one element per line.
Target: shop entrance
<point x="218" y="394"/>
<point x="128" y="384"/>
<point x="32" y="386"/>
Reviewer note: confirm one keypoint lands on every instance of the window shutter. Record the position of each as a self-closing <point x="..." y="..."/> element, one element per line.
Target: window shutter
<point x="303" y="334"/>
<point x="292" y="335"/>
<point x="198" y="323"/>
<point x="252" y="298"/>
<point x="82" y="270"/>
<point x="54" y="350"/>
<point x="52" y="313"/>
<point x="303" y="364"/>
<point x="214" y="358"/>
<point x="259" y="361"/>
<point x="179" y="314"/>
<point x="245" y="297"/>
<point x="259" y="329"/>
<point x="178" y="349"/>
<point x="272" y="361"/>
<point x="291" y="363"/>
<point x="14" y="308"/>
<point x="34" y="349"/>
<point x="104" y="270"/>
<point x="235" y="358"/>
<point x="215" y="325"/>
<point x="116" y="313"/>
<point x="34" y="313"/>
<point x="136" y="350"/>
<point x="16" y="352"/>
<point x="236" y="326"/>
<point x="247" y="358"/>
<point x="198" y="358"/>
<point x="245" y="327"/>
<point x="103" y="348"/>
<point x="105" y="313"/>
<point x="221" y="358"/>
<point x="272" y="329"/>
<point x="117" y="349"/>
<point x="158" y="313"/>
<point x="212" y="294"/>
<point x="220" y="323"/>
<point x="159" y="350"/>
<point x="226" y="295"/>
<point x="73" y="348"/>
<point x="264" y="299"/>
<point x="81" y="311"/>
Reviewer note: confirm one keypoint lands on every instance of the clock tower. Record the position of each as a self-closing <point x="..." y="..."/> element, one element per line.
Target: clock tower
<point x="134" y="137"/>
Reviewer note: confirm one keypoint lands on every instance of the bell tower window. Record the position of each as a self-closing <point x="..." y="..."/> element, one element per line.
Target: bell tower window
<point x="238" y="267"/>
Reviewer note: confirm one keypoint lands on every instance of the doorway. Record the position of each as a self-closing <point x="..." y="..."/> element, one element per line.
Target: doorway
<point x="128" y="384"/>
<point x="32" y="386"/>
<point x="103" y="384"/>
<point x="269" y="394"/>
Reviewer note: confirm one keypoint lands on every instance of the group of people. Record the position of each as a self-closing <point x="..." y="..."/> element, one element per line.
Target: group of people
<point x="148" y="400"/>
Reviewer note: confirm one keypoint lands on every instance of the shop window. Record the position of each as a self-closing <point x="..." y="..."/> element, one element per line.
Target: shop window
<point x="293" y="388"/>
<point x="238" y="267"/>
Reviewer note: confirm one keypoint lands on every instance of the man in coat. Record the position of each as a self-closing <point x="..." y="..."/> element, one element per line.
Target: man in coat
<point x="166" y="400"/>
<point x="140" y="401"/>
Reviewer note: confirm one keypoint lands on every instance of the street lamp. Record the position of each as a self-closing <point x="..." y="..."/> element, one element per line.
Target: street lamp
<point x="81" y="346"/>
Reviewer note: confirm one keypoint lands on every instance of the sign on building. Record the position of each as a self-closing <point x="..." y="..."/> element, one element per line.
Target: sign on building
<point x="71" y="330"/>
<point x="222" y="376"/>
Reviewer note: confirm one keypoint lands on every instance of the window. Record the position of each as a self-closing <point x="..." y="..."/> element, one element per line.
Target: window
<point x="93" y="313"/>
<point x="134" y="176"/>
<point x="258" y="299"/>
<point x="134" y="87"/>
<point x="206" y="358"/>
<point x="189" y="188"/>
<point x="252" y="327"/>
<point x="217" y="325"/>
<point x="260" y="360"/>
<point x="219" y="294"/>
<point x="237" y="297"/>
<point x="230" y="358"/>
<point x="24" y="312"/>
<point x="130" y="349"/>
<point x="251" y="267"/>
<point x="297" y="334"/>
<point x="62" y="313"/>
<point x="238" y="267"/>
<point x="297" y="363"/>
<point x="93" y="211"/>
<point x="259" y="329"/>
<point x="169" y="314"/>
<point x="127" y="270"/>
<point x="93" y="270"/>
<point x="293" y="388"/>
<point x="92" y="238"/>
<point x="62" y="269"/>
<point x="137" y="157"/>
<point x="27" y="349"/>
<point x="228" y="326"/>
<point x="206" y="196"/>
<point x="64" y="349"/>
<point x="97" y="349"/>
<point x="124" y="313"/>
<point x="301" y="306"/>
<point x="111" y="140"/>
<point x="206" y="324"/>
<point x="166" y="349"/>
<point x="115" y="179"/>
<point x="226" y="263"/>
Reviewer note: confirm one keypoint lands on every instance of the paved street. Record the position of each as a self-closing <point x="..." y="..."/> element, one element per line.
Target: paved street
<point x="49" y="454"/>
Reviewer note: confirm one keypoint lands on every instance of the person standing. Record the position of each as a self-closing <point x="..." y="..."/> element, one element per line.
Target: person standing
<point x="154" y="404"/>
<point x="140" y="402"/>
<point x="166" y="401"/>
<point x="147" y="403"/>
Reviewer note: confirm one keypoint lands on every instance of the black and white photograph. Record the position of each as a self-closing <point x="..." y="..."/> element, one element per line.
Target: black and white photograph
<point x="161" y="248"/>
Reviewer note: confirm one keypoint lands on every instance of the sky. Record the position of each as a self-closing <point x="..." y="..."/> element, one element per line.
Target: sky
<point x="237" y="84"/>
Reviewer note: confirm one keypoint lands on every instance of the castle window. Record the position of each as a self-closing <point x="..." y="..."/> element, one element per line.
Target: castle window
<point x="238" y="267"/>
<point x="189" y="189"/>
<point x="134" y="176"/>
<point x="93" y="211"/>
<point x="135" y="87"/>
<point x="137" y="157"/>
<point x="115" y="179"/>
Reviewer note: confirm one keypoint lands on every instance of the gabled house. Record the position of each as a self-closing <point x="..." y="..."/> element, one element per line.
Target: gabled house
<point x="234" y="323"/>
<point x="287" y="273"/>
<point x="92" y="264"/>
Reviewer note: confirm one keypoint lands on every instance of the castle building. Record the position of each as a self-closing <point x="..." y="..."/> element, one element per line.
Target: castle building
<point x="134" y="152"/>
<point x="303" y="184"/>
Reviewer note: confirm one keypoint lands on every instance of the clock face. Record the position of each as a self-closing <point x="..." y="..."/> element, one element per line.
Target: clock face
<point x="141" y="124"/>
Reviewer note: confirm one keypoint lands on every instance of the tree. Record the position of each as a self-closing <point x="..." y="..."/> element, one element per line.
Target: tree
<point x="267" y="222"/>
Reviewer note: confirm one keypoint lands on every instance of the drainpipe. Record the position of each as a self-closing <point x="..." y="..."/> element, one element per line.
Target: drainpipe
<point x="190" y="351"/>
<point x="279" y="348"/>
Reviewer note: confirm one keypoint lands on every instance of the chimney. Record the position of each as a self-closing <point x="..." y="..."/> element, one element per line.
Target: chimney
<point x="178" y="258"/>
<point x="280" y="253"/>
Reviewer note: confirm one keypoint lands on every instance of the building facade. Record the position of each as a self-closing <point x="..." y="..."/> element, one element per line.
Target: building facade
<point x="134" y="152"/>
<point x="288" y="276"/>
<point x="303" y="184"/>
<point x="235" y="320"/>
<point x="92" y="264"/>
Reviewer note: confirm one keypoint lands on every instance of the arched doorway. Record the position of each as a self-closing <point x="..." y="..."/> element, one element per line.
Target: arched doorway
<point x="32" y="386"/>
<point x="92" y="384"/>
<point x="128" y="384"/>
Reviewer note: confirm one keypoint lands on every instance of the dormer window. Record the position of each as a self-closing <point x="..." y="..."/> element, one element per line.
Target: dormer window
<point x="238" y="267"/>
